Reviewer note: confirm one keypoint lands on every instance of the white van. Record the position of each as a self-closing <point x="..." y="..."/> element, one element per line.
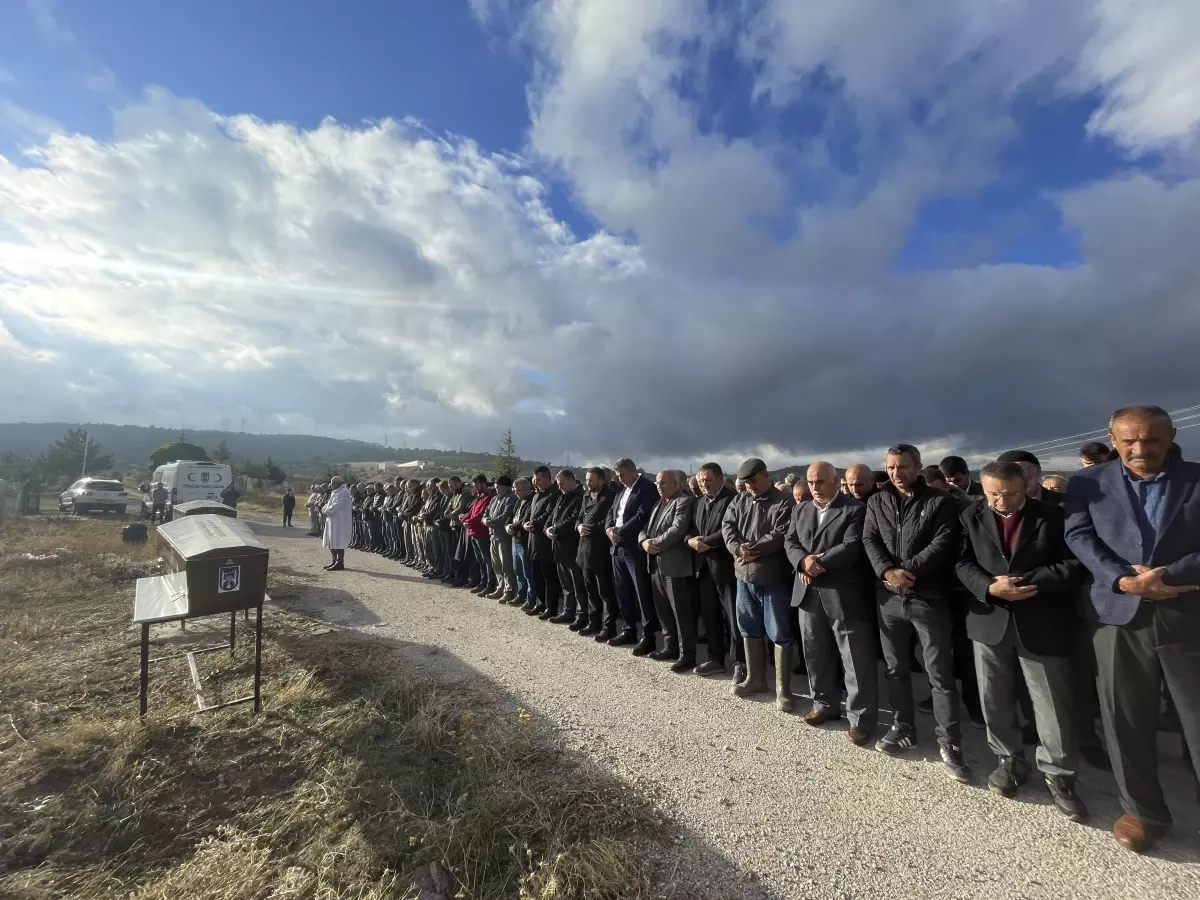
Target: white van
<point x="186" y="481"/>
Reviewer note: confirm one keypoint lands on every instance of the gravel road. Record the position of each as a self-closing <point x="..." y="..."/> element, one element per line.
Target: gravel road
<point x="850" y="822"/>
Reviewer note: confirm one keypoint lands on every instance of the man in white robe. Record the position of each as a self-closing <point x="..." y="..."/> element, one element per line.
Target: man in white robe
<point x="338" y="524"/>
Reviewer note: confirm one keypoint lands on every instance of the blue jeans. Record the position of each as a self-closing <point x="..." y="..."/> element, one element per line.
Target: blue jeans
<point x="523" y="569"/>
<point x="764" y="611"/>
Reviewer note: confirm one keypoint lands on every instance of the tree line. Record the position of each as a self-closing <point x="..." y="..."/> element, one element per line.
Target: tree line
<point x="64" y="460"/>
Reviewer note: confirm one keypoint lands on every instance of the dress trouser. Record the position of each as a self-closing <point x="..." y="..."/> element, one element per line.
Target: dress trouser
<point x="675" y="603"/>
<point x="964" y="653"/>
<point x="718" y="609"/>
<point x="1049" y="682"/>
<point x="603" y="610"/>
<point x="899" y="618"/>
<point x="545" y="581"/>
<point x="827" y="641"/>
<point x="433" y="548"/>
<point x="502" y="563"/>
<point x="1132" y="661"/>
<point x="479" y="546"/>
<point x="574" y="589"/>
<point x="634" y="592"/>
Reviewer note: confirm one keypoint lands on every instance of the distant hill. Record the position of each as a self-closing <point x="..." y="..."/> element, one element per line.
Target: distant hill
<point x="131" y="446"/>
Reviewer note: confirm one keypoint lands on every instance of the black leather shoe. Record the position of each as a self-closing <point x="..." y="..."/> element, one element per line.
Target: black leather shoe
<point x="590" y="631"/>
<point x="644" y="647"/>
<point x="547" y="614"/>
<point x="562" y="618"/>
<point x="710" y="667"/>
<point x="536" y="610"/>
<point x="683" y="665"/>
<point x="624" y="639"/>
<point x="579" y="624"/>
<point x="665" y="655"/>
<point x="1062" y="792"/>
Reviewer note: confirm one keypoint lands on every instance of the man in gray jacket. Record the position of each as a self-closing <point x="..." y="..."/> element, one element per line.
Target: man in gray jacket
<point x="499" y="514"/>
<point x="754" y="529"/>
<point x="669" y="560"/>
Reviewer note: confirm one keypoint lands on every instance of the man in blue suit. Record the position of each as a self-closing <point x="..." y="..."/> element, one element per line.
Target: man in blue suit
<point x="1135" y="523"/>
<point x="627" y="517"/>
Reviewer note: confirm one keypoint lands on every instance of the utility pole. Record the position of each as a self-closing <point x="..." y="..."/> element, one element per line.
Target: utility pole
<point x="86" y="441"/>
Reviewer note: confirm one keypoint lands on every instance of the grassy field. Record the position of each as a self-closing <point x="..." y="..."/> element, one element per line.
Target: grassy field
<point x="357" y="780"/>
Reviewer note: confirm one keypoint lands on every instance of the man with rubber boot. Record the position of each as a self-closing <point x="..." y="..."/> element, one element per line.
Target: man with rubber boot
<point x="754" y="529"/>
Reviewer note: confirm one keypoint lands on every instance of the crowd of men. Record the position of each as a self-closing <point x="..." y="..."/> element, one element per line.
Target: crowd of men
<point x="1053" y="600"/>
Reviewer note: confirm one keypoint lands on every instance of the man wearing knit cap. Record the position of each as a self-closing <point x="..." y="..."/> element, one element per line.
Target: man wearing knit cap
<point x="754" y="529"/>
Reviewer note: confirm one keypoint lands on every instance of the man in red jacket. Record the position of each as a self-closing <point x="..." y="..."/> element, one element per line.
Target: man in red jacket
<point x="477" y="534"/>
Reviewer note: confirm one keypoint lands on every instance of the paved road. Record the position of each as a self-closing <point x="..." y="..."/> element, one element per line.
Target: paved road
<point x="767" y="806"/>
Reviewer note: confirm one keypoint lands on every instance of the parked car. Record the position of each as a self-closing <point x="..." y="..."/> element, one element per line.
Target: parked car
<point x="88" y="494"/>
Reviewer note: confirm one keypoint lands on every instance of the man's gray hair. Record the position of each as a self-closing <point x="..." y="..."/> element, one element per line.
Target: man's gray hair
<point x="1140" y="412"/>
<point x="522" y="482"/>
<point x="625" y="463"/>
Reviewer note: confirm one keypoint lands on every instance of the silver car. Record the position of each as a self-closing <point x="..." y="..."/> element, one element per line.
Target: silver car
<point x="99" y="494"/>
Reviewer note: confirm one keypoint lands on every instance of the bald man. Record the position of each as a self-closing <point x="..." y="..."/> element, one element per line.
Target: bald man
<point x="835" y="592"/>
<point x="860" y="481"/>
<point x="671" y="566"/>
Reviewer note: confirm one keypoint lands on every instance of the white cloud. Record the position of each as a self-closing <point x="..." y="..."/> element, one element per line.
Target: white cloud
<point x="50" y="27"/>
<point x="102" y="81"/>
<point x="24" y="123"/>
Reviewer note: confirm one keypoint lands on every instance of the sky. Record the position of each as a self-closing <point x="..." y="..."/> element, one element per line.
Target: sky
<point x="659" y="228"/>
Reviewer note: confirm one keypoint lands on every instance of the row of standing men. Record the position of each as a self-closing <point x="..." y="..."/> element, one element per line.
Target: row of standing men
<point x="1057" y="615"/>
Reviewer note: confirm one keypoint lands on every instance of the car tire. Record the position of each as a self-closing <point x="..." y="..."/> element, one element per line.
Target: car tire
<point x="77" y="510"/>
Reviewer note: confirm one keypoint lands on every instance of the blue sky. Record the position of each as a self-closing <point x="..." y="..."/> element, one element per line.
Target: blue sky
<point x="561" y="161"/>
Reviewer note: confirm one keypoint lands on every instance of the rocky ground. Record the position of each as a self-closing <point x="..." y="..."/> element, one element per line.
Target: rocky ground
<point x="765" y="806"/>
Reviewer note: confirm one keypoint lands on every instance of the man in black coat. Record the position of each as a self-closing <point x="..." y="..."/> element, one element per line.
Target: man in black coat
<point x="626" y="518"/>
<point x="565" y="544"/>
<point x="958" y="474"/>
<point x="1024" y="584"/>
<point x="836" y="597"/>
<point x="539" y="547"/>
<point x="912" y="537"/>
<point x="595" y="559"/>
<point x="715" y="581"/>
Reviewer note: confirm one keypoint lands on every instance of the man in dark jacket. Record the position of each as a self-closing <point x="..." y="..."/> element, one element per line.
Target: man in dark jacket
<point x="715" y="582"/>
<point x="1033" y="476"/>
<point x="538" y="544"/>
<point x="522" y="564"/>
<point x="912" y="538"/>
<point x="289" y="506"/>
<point x="755" y="525"/>
<point x="458" y="503"/>
<point x="594" y="558"/>
<point x="958" y="475"/>
<point x="230" y="496"/>
<point x="1023" y="584"/>
<point x="626" y="519"/>
<point x="835" y="593"/>
<point x="860" y="482"/>
<point x="565" y="544"/>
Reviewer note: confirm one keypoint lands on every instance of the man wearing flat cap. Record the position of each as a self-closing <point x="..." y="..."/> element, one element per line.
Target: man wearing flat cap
<point x="754" y="529"/>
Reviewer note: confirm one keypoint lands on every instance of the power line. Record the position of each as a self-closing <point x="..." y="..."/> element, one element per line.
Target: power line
<point x="1063" y="445"/>
<point x="1095" y="434"/>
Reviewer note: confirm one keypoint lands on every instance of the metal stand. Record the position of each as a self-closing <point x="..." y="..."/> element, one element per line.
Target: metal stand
<point x="148" y="613"/>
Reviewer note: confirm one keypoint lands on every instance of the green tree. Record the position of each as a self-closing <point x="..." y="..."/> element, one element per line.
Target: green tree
<point x="222" y="454"/>
<point x="20" y="466"/>
<point x="275" y="475"/>
<point x="174" y="450"/>
<point x="65" y="457"/>
<point x="507" y="462"/>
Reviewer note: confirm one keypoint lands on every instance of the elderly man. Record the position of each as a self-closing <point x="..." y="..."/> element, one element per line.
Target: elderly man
<point x="1023" y="584"/>
<point x="754" y="528"/>
<point x="458" y="504"/>
<point x="1033" y="476"/>
<point x="911" y="536"/>
<point x="860" y="481"/>
<point x="669" y="562"/>
<point x="626" y="519"/>
<point x="1056" y="484"/>
<point x="834" y="591"/>
<point x="1134" y="523"/>
<point x="313" y="505"/>
<point x="715" y="582"/>
<point x="565" y="542"/>
<point x="539" y="546"/>
<point x="337" y="524"/>
<point x="594" y="558"/>
<point x="958" y="474"/>
<point x="497" y="518"/>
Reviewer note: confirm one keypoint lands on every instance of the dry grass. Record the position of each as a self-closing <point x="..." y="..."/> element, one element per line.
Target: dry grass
<point x="355" y="776"/>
